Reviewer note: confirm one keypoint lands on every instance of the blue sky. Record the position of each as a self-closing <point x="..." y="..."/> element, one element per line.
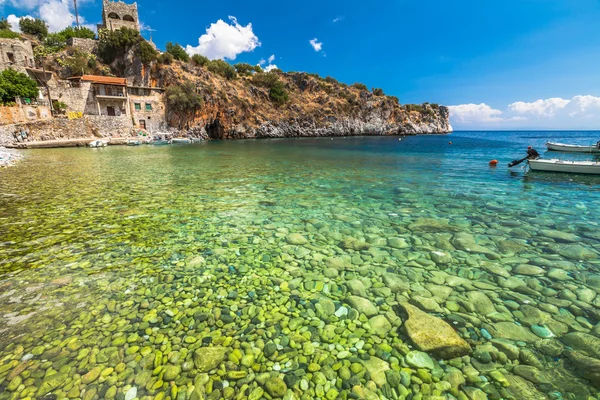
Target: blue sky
<point x="500" y="64"/>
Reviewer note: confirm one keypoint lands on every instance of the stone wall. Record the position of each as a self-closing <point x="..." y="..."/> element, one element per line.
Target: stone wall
<point x="91" y="127"/>
<point x="74" y="96"/>
<point x="16" y="54"/>
<point x="23" y="113"/>
<point x="86" y="45"/>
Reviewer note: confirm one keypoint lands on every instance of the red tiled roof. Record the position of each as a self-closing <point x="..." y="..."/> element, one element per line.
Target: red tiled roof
<point x="108" y="80"/>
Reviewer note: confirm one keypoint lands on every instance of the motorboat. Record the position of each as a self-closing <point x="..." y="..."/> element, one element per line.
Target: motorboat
<point x="162" y="138"/>
<point x="572" y="167"/>
<point x="573" y="148"/>
<point x="98" y="143"/>
<point x="181" y="140"/>
<point x="134" y="142"/>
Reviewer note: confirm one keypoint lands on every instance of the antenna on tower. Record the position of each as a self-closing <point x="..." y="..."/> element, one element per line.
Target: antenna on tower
<point x="76" y="14"/>
<point x="150" y="30"/>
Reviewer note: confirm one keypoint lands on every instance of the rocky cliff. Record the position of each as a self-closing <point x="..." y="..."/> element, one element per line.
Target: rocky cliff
<point x="240" y="108"/>
<point x="244" y="107"/>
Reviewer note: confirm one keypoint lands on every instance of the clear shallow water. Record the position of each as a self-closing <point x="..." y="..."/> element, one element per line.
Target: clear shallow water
<point x="119" y="267"/>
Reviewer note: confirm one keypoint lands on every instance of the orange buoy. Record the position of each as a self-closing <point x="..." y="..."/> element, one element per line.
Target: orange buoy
<point x="493" y="163"/>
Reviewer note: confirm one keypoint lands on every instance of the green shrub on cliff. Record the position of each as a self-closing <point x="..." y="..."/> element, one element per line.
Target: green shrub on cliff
<point x="183" y="98"/>
<point x="244" y="69"/>
<point x="266" y="80"/>
<point x="16" y="84"/>
<point x="278" y="94"/>
<point x="177" y="52"/>
<point x="377" y="92"/>
<point x="166" y="58"/>
<point x="8" y="34"/>
<point x="146" y="52"/>
<point x="222" y="68"/>
<point x="112" y="44"/>
<point x="360" y="86"/>
<point x="200" y="60"/>
<point x="35" y="27"/>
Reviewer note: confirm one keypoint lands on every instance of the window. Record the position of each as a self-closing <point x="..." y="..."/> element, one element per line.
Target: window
<point x="138" y="106"/>
<point x="11" y="57"/>
<point x="148" y="107"/>
<point x="110" y="110"/>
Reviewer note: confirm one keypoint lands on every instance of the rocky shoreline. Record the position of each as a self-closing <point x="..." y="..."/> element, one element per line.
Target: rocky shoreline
<point x="9" y="157"/>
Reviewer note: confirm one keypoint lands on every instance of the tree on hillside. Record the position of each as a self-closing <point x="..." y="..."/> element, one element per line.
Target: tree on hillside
<point x="112" y="44"/>
<point x="360" y="86"/>
<point x="4" y="24"/>
<point x="377" y="91"/>
<point x="222" y="68"/>
<point x="78" y="32"/>
<point x="183" y="98"/>
<point x="177" y="52"/>
<point x="35" y="27"/>
<point x="146" y="52"/>
<point x="199" y="60"/>
<point x="244" y="68"/>
<point x="16" y="84"/>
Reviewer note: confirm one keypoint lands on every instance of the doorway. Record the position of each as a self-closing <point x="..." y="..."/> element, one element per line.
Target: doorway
<point x="143" y="124"/>
<point x="111" y="111"/>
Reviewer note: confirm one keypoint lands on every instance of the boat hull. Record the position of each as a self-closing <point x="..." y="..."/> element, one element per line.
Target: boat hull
<point x="181" y="140"/>
<point x="569" y="167"/>
<point x="572" y="148"/>
<point x="98" y="143"/>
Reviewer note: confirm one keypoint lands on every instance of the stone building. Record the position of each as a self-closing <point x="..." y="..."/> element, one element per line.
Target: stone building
<point x="147" y="108"/>
<point x="111" y="100"/>
<point x="117" y="14"/>
<point x="16" y="54"/>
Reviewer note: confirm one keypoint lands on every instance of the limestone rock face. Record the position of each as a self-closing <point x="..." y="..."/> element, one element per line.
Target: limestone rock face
<point x="431" y="334"/>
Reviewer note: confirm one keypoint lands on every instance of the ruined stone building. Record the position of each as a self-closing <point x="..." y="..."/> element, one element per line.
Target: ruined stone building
<point x="117" y="14"/>
<point x="16" y="54"/>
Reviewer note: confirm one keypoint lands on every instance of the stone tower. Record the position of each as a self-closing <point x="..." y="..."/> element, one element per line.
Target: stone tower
<point x="116" y="14"/>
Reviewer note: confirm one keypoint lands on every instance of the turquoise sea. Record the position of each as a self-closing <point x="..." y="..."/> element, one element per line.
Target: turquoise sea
<point x="369" y="267"/>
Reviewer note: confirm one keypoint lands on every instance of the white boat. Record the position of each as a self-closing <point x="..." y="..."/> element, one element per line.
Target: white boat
<point x="134" y="142"/>
<point x="181" y="140"/>
<point x="162" y="138"/>
<point x="572" y="167"/>
<point x="98" y="143"/>
<point x="573" y="148"/>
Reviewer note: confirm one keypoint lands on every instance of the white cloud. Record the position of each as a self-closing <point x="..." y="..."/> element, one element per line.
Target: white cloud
<point x="13" y="20"/>
<point x="270" y="67"/>
<point x="57" y="14"/>
<point x="25" y="4"/>
<point x="271" y="59"/>
<point x="580" y="112"/>
<point x="546" y="108"/>
<point x="262" y="61"/>
<point x="316" y="45"/>
<point x="338" y="18"/>
<point x="223" y="40"/>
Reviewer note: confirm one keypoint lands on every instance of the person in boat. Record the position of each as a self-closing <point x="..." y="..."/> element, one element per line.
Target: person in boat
<point x="532" y="153"/>
<point x="598" y="144"/>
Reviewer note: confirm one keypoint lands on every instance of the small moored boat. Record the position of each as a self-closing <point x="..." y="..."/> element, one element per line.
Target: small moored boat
<point x="573" y="148"/>
<point x="181" y="140"/>
<point x="134" y="142"/>
<point x="162" y="138"/>
<point x="571" y="167"/>
<point x="98" y="143"/>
